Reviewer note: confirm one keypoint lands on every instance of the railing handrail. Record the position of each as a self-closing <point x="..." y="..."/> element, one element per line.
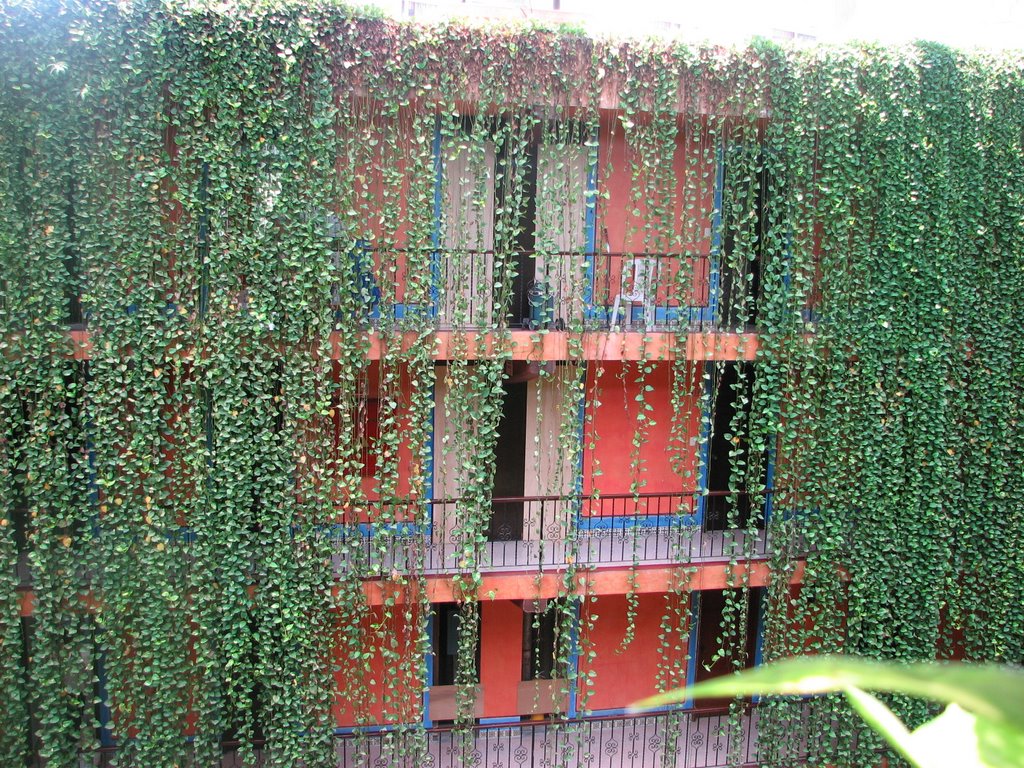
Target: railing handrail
<point x="580" y="497"/>
<point x="696" y="711"/>
<point x="701" y="253"/>
<point x="370" y="730"/>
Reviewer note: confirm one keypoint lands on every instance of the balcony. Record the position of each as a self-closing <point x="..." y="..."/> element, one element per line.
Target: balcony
<point x="544" y="533"/>
<point x="682" y="739"/>
<point x="556" y="292"/>
<point x="648" y="298"/>
<point x="688" y="739"/>
<point x="651" y="741"/>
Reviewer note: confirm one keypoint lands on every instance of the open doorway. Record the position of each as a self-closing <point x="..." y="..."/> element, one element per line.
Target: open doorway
<point x="510" y="465"/>
<point x="729" y="503"/>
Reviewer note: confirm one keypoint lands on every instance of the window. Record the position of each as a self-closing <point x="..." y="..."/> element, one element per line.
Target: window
<point x="521" y="193"/>
<point x="542" y="638"/>
<point x="548" y="627"/>
<point x="722" y="647"/>
<point x="744" y="227"/>
<point x="510" y="465"/>
<point x="447" y="622"/>
<point x="728" y="468"/>
<point x="467" y="263"/>
<point x="563" y="219"/>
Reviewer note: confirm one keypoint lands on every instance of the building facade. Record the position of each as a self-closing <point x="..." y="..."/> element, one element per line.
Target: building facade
<point x="380" y="394"/>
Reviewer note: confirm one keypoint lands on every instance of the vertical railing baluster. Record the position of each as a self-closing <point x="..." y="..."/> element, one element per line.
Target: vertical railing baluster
<point x="616" y="529"/>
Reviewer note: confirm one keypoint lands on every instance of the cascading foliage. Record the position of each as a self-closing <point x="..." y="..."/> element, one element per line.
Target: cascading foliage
<point x="212" y="216"/>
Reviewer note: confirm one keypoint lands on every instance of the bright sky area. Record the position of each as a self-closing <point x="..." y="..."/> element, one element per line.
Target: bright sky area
<point x="986" y="23"/>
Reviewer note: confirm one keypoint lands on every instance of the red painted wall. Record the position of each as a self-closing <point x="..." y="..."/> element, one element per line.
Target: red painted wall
<point x="624" y="222"/>
<point x="501" y="656"/>
<point x="394" y="690"/>
<point x="622" y="678"/>
<point x="805" y="634"/>
<point x="613" y="419"/>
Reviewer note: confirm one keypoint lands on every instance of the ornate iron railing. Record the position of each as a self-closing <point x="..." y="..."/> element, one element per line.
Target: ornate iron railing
<point x="541" y="532"/>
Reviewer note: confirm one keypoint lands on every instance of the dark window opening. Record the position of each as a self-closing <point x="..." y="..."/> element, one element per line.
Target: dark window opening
<point x="714" y="631"/>
<point x="203" y="241"/>
<point x="33" y="741"/>
<point x="445" y="643"/>
<point x="745" y="187"/>
<point x="728" y="457"/>
<point x="510" y="466"/>
<point x="73" y="263"/>
<point x="541" y="639"/>
<point x="367" y="432"/>
<point x="525" y="242"/>
<point x="20" y="517"/>
<point x="257" y="702"/>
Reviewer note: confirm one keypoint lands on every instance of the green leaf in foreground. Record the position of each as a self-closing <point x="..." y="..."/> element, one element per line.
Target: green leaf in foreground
<point x="982" y="728"/>
<point x="988" y="690"/>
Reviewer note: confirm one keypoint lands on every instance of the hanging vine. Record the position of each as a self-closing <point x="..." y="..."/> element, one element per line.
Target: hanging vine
<point x="287" y="241"/>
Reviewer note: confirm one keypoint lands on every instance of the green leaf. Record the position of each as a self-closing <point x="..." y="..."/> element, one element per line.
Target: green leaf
<point x="992" y="691"/>
<point x="983" y="726"/>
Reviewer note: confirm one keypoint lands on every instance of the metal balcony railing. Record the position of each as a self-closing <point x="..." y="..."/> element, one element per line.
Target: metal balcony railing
<point x="694" y="740"/>
<point x="539" y="532"/>
<point x="682" y="739"/>
<point x="650" y="291"/>
<point x="523" y="533"/>
<point x="549" y="291"/>
<point x="554" y="291"/>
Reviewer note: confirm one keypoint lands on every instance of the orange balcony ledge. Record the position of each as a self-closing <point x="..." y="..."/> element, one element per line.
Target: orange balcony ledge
<point x="523" y="585"/>
<point x="618" y="581"/>
<point x="540" y="346"/>
<point x="592" y="345"/>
